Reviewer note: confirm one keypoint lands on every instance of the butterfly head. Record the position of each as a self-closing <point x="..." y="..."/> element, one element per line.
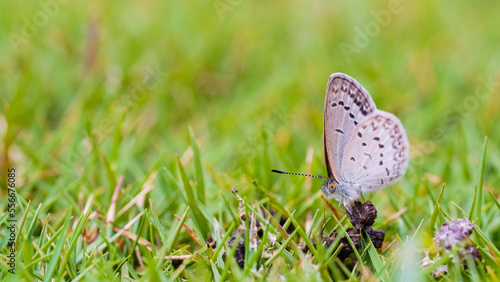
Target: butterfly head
<point x="329" y="187"/>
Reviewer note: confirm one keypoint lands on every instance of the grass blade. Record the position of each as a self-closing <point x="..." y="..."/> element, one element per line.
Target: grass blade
<point x="435" y="212"/>
<point x="57" y="252"/>
<point x="480" y="183"/>
<point x="199" y="219"/>
<point x="497" y="204"/>
<point x="200" y="183"/>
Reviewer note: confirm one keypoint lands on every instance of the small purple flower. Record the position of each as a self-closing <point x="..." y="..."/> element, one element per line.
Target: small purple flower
<point x="457" y="232"/>
<point x="453" y="232"/>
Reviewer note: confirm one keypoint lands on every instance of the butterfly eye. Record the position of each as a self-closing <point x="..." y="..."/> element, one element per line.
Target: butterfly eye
<point x="331" y="186"/>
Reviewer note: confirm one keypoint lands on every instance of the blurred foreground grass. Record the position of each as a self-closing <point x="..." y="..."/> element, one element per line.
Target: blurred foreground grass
<point x="94" y="91"/>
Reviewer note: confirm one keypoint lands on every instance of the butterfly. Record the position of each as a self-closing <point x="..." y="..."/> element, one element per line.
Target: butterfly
<point x="365" y="149"/>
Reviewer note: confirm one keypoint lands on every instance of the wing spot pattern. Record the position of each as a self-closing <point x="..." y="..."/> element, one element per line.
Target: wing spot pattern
<point x="357" y="102"/>
<point x="360" y="98"/>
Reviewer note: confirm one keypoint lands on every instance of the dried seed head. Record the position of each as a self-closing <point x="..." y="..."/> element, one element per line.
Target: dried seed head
<point x="377" y="236"/>
<point x="362" y="217"/>
<point x="363" y="214"/>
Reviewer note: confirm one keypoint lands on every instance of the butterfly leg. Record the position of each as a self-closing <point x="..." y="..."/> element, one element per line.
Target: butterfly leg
<point x="348" y="208"/>
<point x="361" y="193"/>
<point x="340" y="207"/>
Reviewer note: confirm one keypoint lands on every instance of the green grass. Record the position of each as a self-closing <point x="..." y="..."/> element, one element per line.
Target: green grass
<point x="187" y="101"/>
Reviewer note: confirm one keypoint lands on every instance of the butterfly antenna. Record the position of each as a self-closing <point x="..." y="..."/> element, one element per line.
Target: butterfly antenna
<point x="300" y="174"/>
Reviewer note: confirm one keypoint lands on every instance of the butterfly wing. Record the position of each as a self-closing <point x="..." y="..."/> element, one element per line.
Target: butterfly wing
<point x="378" y="152"/>
<point x="346" y="104"/>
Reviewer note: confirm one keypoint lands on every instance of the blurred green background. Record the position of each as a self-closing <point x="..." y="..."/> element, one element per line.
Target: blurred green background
<point x="89" y="82"/>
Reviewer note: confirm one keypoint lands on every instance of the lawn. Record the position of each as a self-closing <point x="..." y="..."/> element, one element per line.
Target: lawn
<point x="139" y="138"/>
